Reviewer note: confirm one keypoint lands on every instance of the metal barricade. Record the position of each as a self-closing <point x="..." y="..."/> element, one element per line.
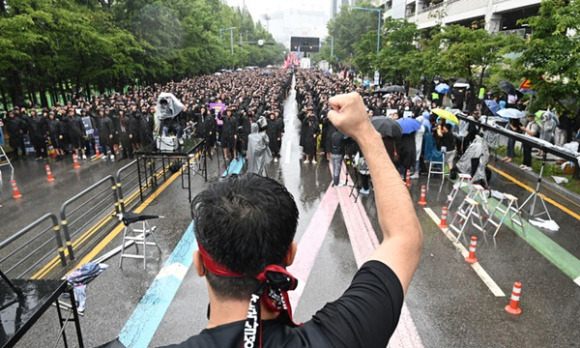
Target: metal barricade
<point x="127" y="184"/>
<point x="87" y="216"/>
<point x="24" y="252"/>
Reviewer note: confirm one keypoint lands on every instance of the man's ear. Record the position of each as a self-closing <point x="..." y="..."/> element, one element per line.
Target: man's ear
<point x="291" y="254"/>
<point x="198" y="263"/>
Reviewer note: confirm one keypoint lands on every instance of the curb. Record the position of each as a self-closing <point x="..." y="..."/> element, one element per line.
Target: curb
<point x="530" y="178"/>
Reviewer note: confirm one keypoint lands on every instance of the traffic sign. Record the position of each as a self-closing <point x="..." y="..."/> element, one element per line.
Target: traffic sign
<point x="527" y="84"/>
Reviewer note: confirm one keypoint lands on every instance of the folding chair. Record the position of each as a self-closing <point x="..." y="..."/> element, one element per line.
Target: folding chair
<point x="437" y="168"/>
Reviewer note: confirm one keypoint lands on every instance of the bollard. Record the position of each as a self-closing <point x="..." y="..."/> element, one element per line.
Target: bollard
<point x="514" y="306"/>
<point x="15" y="190"/>
<point x="97" y="153"/>
<point x="443" y="223"/>
<point x="472" y="247"/>
<point x="423" y="200"/>
<point x="49" y="176"/>
<point x="77" y="166"/>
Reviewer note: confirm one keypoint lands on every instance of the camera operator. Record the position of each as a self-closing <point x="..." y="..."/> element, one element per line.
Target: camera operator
<point x="244" y="253"/>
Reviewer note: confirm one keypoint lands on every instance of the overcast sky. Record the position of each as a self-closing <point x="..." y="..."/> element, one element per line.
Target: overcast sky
<point x="292" y="26"/>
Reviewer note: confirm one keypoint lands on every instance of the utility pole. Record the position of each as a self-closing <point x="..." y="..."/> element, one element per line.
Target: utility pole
<point x="332" y="47"/>
<point x="232" y="41"/>
<point x="267" y="18"/>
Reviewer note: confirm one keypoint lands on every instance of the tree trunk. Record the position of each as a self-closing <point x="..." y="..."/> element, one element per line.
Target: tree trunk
<point x="62" y="92"/>
<point x="16" y="92"/>
<point x="43" y="99"/>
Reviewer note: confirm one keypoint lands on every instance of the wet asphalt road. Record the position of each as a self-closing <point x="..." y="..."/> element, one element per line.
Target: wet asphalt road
<point x="450" y="305"/>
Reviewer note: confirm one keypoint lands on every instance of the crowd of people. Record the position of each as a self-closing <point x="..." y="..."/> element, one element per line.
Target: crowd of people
<point x="216" y="108"/>
<point x="222" y="108"/>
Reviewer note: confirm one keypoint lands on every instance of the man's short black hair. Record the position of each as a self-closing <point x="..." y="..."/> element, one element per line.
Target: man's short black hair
<point x="245" y="223"/>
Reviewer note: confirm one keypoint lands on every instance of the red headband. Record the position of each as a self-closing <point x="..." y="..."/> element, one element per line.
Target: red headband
<point x="275" y="283"/>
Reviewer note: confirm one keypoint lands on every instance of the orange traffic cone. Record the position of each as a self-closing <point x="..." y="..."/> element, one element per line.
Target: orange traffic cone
<point x="514" y="306"/>
<point x="15" y="190"/>
<point x="49" y="176"/>
<point x="423" y="200"/>
<point x="443" y="223"/>
<point x="77" y="166"/>
<point x="408" y="180"/>
<point x="97" y="153"/>
<point x="472" y="246"/>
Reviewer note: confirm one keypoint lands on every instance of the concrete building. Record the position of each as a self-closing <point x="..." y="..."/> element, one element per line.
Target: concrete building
<point x="493" y="15"/>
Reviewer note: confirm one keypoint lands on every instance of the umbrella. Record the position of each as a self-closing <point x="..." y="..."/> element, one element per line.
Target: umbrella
<point x="386" y="126"/>
<point x="446" y="114"/>
<point x="395" y="89"/>
<point x="461" y="83"/>
<point x="442" y="88"/>
<point x="492" y="105"/>
<point x="380" y="90"/>
<point x="510" y="113"/>
<point x="507" y="87"/>
<point x="409" y="125"/>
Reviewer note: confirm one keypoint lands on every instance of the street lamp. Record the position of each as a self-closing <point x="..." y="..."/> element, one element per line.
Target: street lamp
<point x="231" y="30"/>
<point x="379" y="26"/>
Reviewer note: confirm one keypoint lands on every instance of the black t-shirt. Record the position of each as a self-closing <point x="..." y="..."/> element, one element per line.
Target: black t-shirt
<point x="366" y="315"/>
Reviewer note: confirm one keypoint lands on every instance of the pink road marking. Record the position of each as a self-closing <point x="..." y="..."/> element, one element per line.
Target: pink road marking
<point x="311" y="242"/>
<point x="364" y="241"/>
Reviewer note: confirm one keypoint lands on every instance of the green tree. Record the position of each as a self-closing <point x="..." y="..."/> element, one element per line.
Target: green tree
<point x="348" y="28"/>
<point x="550" y="58"/>
<point x="458" y="51"/>
<point x="399" y="61"/>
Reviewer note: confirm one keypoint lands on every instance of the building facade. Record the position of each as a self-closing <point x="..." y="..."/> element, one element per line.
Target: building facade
<point x="493" y="15"/>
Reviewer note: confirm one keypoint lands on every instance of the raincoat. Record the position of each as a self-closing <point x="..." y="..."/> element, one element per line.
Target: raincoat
<point x="259" y="153"/>
<point x="477" y="150"/>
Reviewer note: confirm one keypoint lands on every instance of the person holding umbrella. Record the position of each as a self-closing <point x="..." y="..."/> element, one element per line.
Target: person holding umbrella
<point x="406" y="148"/>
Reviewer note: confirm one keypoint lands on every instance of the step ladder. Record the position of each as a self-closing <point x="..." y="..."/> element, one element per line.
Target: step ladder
<point x="467" y="212"/>
<point x="138" y="236"/>
<point x="478" y="192"/>
<point x="513" y="207"/>
<point x="463" y="179"/>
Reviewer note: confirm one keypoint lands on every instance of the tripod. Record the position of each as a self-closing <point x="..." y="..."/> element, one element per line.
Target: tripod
<point x="536" y="194"/>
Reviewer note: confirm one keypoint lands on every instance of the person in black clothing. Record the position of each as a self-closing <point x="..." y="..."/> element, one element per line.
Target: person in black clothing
<point x="336" y="155"/>
<point x="36" y="131"/>
<point x="308" y="135"/>
<point x="444" y="139"/>
<point x="55" y="134"/>
<point x="228" y="135"/>
<point x="16" y="128"/>
<point x="126" y="125"/>
<point x="106" y="131"/>
<point x="75" y="133"/>
<point x="244" y="254"/>
<point x="275" y="131"/>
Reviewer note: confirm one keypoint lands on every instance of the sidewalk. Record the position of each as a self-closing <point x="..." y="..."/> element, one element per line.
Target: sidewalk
<point x="530" y="178"/>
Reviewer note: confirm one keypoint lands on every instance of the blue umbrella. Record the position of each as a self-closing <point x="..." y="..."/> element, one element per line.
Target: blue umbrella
<point x="510" y="113"/>
<point x="409" y="125"/>
<point x="493" y="106"/>
<point x="442" y="88"/>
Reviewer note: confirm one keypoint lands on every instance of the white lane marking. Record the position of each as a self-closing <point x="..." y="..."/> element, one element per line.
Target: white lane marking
<point x="577" y="281"/>
<point x="487" y="280"/>
<point x="288" y="151"/>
